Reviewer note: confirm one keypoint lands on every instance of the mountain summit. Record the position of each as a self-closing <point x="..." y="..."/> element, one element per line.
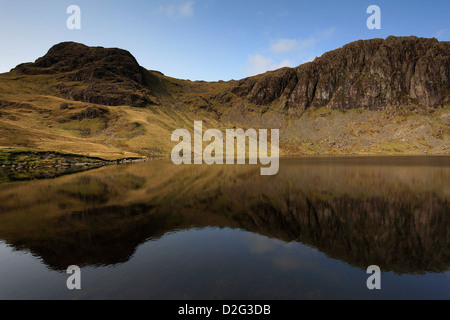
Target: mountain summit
<point x="86" y="62"/>
<point x="108" y="76"/>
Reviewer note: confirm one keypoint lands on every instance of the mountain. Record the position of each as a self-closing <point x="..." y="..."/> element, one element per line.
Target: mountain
<point x="373" y="96"/>
<point x="371" y="74"/>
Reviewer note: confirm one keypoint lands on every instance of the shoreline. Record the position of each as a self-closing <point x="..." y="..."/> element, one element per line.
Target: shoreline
<point x="36" y="162"/>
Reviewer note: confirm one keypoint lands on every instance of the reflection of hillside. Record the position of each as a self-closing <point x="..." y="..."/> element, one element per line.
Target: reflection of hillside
<point x="393" y="216"/>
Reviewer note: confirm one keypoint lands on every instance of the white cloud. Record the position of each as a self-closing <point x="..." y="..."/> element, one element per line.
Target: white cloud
<point x="182" y="10"/>
<point x="287" y="50"/>
<point x="284" y="63"/>
<point x="440" y="33"/>
<point x="289" y="45"/>
<point x="260" y="64"/>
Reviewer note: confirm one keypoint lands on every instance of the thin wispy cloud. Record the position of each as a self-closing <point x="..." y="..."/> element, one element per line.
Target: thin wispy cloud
<point x="440" y="33"/>
<point x="260" y="64"/>
<point x="289" y="52"/>
<point x="323" y="34"/>
<point x="284" y="45"/>
<point x="181" y="10"/>
<point x="289" y="45"/>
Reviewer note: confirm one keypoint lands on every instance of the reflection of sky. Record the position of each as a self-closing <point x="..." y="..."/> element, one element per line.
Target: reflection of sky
<point x="447" y="274"/>
<point x="260" y="245"/>
<point x="319" y="276"/>
<point x="213" y="263"/>
<point x="24" y="276"/>
<point x="284" y="255"/>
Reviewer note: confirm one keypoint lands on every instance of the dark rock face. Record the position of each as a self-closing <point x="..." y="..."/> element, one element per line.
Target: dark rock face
<point x="91" y="62"/>
<point x="107" y="76"/>
<point x="366" y="74"/>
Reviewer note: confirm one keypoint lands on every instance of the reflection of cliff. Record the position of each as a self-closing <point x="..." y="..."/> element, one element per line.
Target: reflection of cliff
<point x="402" y="236"/>
<point x="100" y="217"/>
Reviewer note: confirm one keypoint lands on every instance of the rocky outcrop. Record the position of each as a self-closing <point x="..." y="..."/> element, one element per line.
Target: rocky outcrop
<point x="366" y="74"/>
<point x="88" y="63"/>
<point x="107" y="76"/>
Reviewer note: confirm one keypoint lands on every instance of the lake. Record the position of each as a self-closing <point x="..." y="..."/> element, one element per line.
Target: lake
<point x="159" y="231"/>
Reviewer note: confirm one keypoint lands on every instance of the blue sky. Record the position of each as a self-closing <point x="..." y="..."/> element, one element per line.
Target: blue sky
<point x="212" y="39"/>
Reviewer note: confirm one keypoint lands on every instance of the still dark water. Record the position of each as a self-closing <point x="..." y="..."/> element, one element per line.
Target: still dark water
<point x="159" y="231"/>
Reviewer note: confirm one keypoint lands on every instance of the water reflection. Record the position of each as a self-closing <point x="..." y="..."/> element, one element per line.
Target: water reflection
<point x="392" y="212"/>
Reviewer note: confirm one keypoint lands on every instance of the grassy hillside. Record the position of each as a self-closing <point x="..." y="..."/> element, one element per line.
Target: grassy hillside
<point x="33" y="115"/>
